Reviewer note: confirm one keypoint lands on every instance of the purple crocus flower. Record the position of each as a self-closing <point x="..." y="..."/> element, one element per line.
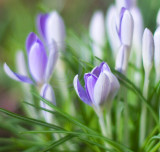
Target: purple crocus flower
<point x="51" y="28"/>
<point x="40" y="64"/>
<point x="100" y="86"/>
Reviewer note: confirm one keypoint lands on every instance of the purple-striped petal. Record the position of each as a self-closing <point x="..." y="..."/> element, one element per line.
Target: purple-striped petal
<point x="80" y="91"/>
<point x="101" y="89"/>
<point x="41" y="24"/>
<point x="98" y="69"/>
<point x="52" y="59"/>
<point x="31" y="39"/>
<point x="90" y="81"/>
<point x="37" y="60"/>
<point x="16" y="76"/>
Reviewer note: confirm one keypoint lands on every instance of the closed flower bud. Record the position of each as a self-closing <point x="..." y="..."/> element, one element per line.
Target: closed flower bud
<point x="147" y="50"/>
<point x="52" y="29"/>
<point x="97" y="32"/>
<point x="157" y="53"/>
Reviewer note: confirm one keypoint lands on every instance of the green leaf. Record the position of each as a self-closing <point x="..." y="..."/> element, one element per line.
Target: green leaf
<point x="58" y="142"/>
<point x="31" y="120"/>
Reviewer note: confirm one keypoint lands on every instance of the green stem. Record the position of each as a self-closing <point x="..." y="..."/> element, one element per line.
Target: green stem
<point x="144" y="111"/>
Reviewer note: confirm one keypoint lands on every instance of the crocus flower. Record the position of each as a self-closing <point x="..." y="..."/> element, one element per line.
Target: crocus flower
<point x="51" y="28"/>
<point x="48" y="94"/>
<point x="40" y="65"/>
<point x="147" y="50"/>
<point x="157" y="53"/>
<point x="101" y="86"/>
<point x="97" y="33"/>
<point x="121" y="28"/>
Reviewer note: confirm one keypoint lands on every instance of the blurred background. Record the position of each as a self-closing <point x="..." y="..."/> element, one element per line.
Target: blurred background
<point x="17" y="19"/>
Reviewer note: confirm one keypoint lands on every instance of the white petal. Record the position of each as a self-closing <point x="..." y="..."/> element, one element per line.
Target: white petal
<point x="101" y="89"/>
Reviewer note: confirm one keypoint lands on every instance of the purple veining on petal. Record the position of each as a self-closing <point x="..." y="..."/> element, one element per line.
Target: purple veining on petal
<point x="120" y="22"/>
<point x="90" y="81"/>
<point x="31" y="39"/>
<point x="41" y="24"/>
<point x="81" y="92"/>
<point x="16" y="76"/>
<point x="37" y="60"/>
<point x="98" y="69"/>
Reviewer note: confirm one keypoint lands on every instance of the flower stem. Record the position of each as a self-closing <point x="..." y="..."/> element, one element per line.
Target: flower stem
<point x="144" y="111"/>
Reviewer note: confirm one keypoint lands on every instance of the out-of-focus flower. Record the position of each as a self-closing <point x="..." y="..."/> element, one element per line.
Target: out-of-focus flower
<point x="157" y="53"/>
<point x="122" y="59"/>
<point x="52" y="29"/>
<point x="101" y="86"/>
<point x="97" y="33"/>
<point x="120" y="30"/>
<point x="40" y="65"/>
<point x="111" y="19"/>
<point x="147" y="50"/>
<point x="48" y="94"/>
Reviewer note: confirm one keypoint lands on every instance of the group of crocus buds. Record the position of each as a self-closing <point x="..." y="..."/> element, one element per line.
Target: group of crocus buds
<point x="42" y="55"/>
<point x="101" y="86"/>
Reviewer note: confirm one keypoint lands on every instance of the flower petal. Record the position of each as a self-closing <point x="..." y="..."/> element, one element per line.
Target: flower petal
<point x="52" y="59"/>
<point x="114" y="83"/>
<point x="16" y="76"/>
<point x="101" y="89"/>
<point x="31" y="39"/>
<point x="90" y="81"/>
<point x="80" y="91"/>
<point x="98" y="69"/>
<point x="41" y="24"/>
<point x="37" y="60"/>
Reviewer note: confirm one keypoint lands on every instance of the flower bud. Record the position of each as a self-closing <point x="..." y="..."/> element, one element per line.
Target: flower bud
<point x="157" y="53"/>
<point x="97" y="32"/>
<point x="147" y="50"/>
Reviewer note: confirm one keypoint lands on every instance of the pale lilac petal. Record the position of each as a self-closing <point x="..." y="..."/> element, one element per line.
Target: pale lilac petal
<point x="37" y="60"/>
<point x="114" y="85"/>
<point x="16" y="76"/>
<point x="101" y="89"/>
<point x="126" y="28"/>
<point x="80" y="91"/>
<point x="98" y="69"/>
<point x="52" y="59"/>
<point x="48" y="94"/>
<point x="31" y="39"/>
<point x="41" y="24"/>
<point x="21" y="64"/>
<point x="90" y="81"/>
